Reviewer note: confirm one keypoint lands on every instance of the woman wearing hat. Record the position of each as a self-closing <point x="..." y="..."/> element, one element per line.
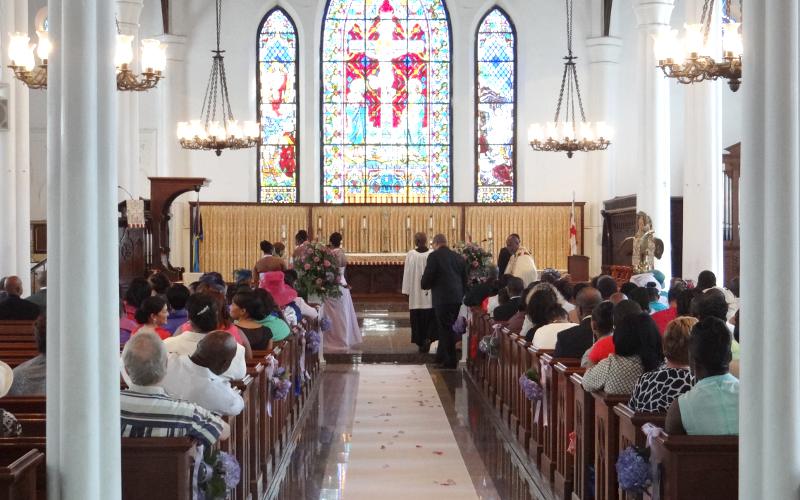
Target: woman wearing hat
<point x="9" y="427"/>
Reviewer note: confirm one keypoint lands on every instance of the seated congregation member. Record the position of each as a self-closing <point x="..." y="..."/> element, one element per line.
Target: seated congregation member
<point x="40" y="298"/>
<point x="9" y="426"/>
<point x="575" y="314"/>
<point x="494" y="300"/>
<point x="283" y="295"/>
<point x="628" y="289"/>
<point x="546" y="335"/>
<point x="655" y="300"/>
<point x="14" y="307"/>
<point x="705" y="280"/>
<point x="678" y="306"/>
<point x="203" y="318"/>
<point x="197" y="377"/>
<point x="538" y="310"/>
<point x="602" y="327"/>
<point x="138" y="290"/>
<point x="605" y="346"/>
<point x="641" y="296"/>
<point x="30" y="377"/>
<point x="273" y="318"/>
<point x="656" y="390"/>
<point x="152" y="316"/>
<point x="267" y="262"/>
<point x="224" y="317"/>
<point x="711" y="407"/>
<point x="606" y="285"/>
<point x="248" y="311"/>
<point x="574" y="341"/>
<point x="306" y="310"/>
<point x="514" y="287"/>
<point x="637" y="349"/>
<point x="159" y="283"/>
<point x="177" y="295"/>
<point x="146" y="410"/>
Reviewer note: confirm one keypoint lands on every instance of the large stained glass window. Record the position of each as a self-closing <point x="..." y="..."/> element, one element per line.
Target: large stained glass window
<point x="495" y="114"/>
<point x="277" y="108"/>
<point x="386" y="124"/>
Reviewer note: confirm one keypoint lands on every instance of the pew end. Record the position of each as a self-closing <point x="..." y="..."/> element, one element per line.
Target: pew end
<point x="18" y="471"/>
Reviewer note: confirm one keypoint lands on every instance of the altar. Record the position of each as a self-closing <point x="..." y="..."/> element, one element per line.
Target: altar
<point x="376" y="238"/>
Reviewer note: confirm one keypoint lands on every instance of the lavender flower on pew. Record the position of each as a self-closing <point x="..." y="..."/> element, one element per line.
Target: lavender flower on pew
<point x="490" y="346"/>
<point x="220" y="474"/>
<point x="313" y="341"/>
<point x="633" y="470"/>
<point x="529" y="382"/>
<point x="281" y="384"/>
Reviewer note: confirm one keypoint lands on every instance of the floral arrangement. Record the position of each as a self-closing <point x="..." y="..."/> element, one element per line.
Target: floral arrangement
<point x="479" y="262"/>
<point x="633" y="469"/>
<point x="218" y="474"/>
<point x="529" y="382"/>
<point x="490" y="346"/>
<point x="313" y="340"/>
<point x="318" y="272"/>
<point x="281" y="384"/>
<point x="324" y="324"/>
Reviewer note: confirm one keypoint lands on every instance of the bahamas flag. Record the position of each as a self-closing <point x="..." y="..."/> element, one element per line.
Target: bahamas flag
<point x="197" y="237"/>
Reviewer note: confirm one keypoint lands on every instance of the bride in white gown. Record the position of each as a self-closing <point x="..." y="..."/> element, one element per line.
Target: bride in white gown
<point x="344" y="331"/>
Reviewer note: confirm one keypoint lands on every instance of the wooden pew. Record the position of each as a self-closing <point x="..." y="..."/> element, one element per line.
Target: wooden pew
<point x="525" y="416"/>
<point x="536" y="443"/>
<point x="14" y="327"/>
<point x="257" y="418"/>
<point x="630" y="432"/>
<point x="699" y="467"/>
<point x="24" y="404"/>
<point x="584" y="439"/>
<point x="18" y="475"/>
<point x="565" y="424"/>
<point x="550" y="383"/>
<point x="606" y="437"/>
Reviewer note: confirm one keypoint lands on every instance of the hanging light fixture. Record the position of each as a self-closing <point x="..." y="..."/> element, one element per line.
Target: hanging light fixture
<point x="23" y="61"/>
<point x="211" y="132"/>
<point x="564" y="133"/>
<point x="691" y="60"/>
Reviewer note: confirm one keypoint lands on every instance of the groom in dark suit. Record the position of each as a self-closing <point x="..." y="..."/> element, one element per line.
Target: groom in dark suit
<point x="446" y="277"/>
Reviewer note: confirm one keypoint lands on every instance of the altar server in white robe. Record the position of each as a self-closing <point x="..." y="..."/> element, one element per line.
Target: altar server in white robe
<point x="423" y="319"/>
<point x="521" y="263"/>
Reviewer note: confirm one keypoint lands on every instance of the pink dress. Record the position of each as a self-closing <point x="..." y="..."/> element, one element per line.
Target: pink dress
<point x="344" y="332"/>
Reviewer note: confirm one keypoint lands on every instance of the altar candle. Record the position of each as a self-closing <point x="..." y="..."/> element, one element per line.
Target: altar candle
<point x="364" y="222"/>
<point x="453" y="222"/>
<point x="489" y="232"/>
<point x="430" y="222"/>
<point x="283" y="231"/>
<point x="341" y="222"/>
<point x="408" y="222"/>
<point x="319" y="223"/>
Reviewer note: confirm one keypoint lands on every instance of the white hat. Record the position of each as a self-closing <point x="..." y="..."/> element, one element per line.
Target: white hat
<point x="6" y="378"/>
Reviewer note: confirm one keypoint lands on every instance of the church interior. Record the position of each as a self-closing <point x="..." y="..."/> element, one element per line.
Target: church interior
<point x="433" y="248"/>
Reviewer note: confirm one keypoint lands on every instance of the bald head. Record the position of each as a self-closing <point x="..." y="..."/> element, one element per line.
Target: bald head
<point x="587" y="299"/>
<point x="13" y="286"/>
<point x="215" y="351"/>
<point x="617" y="297"/>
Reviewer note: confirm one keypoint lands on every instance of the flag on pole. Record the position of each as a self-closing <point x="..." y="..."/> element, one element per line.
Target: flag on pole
<point x="573" y="230"/>
<point x="197" y="237"/>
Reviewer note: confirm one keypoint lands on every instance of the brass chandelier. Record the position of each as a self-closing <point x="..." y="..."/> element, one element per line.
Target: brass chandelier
<point x="34" y="75"/>
<point x="564" y="133"/>
<point x="692" y="60"/>
<point x="212" y="134"/>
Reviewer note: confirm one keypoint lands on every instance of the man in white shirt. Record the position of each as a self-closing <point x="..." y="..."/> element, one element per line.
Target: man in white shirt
<point x="423" y="319"/>
<point x="197" y="379"/>
<point x="521" y="263"/>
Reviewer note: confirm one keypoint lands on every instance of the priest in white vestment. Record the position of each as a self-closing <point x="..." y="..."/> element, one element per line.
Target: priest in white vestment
<point x="423" y="319"/>
<point x="521" y="263"/>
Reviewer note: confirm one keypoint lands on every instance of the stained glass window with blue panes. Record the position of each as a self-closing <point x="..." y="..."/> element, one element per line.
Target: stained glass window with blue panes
<point x="277" y="108"/>
<point x="496" y="114"/>
<point x="386" y="102"/>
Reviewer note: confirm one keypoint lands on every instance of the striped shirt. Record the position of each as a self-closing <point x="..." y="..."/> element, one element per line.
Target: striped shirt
<point x="150" y="412"/>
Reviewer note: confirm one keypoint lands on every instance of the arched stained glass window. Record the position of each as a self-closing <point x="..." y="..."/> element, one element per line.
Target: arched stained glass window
<point x="277" y="108"/>
<point x="386" y="124"/>
<point x="496" y="123"/>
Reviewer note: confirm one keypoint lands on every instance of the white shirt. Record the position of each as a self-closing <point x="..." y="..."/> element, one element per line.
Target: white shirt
<point x="412" y="278"/>
<point x="186" y="343"/>
<point x="197" y="384"/>
<point x="546" y="336"/>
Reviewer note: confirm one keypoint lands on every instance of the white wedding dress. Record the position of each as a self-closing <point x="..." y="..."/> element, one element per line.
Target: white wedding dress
<point x="344" y="331"/>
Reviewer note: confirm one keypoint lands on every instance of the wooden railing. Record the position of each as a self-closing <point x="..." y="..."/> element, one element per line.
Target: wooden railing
<point x="574" y="437"/>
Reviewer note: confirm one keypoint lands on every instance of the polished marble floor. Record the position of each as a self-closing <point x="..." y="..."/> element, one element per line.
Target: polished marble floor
<point x="387" y="431"/>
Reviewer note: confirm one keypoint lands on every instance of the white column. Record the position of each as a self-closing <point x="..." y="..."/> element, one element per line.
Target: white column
<point x="702" y="170"/>
<point x="173" y="159"/>
<point x="15" y="157"/>
<point x="83" y="426"/>
<point x="604" y="54"/>
<point x="128" y="13"/>
<point x="769" y="409"/>
<point x="653" y="195"/>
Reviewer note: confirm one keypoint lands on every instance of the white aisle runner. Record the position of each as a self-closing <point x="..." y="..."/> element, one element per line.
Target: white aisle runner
<point x="402" y="444"/>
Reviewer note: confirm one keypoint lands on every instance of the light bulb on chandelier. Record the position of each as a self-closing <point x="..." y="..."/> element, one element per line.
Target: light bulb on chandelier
<point x="564" y="133"/>
<point x="693" y="59"/>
